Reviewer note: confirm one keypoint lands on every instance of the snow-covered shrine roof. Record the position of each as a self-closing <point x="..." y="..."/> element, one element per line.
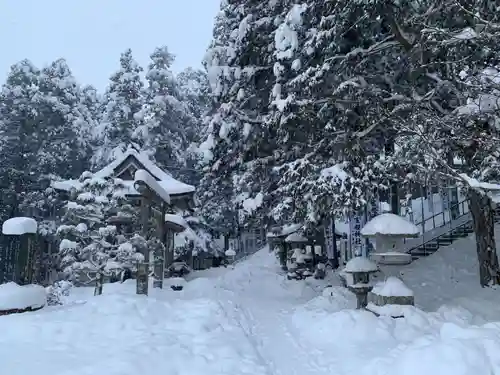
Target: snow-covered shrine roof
<point x="141" y="161"/>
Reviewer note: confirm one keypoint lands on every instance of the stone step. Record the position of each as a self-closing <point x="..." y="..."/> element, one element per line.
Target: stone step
<point x="423" y="252"/>
<point x="444" y="241"/>
<point x="460" y="232"/>
<point x="449" y="237"/>
<point x="430" y="246"/>
<point x="420" y="254"/>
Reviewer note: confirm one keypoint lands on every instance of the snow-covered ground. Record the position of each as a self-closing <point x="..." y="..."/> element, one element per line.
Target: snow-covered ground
<point x="248" y="319"/>
<point x="451" y="277"/>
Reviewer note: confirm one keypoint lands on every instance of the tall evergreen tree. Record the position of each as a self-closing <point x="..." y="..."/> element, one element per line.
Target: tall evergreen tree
<point x="240" y="70"/>
<point x="67" y="122"/>
<point x="327" y="92"/>
<point x="45" y="128"/>
<point x="167" y="119"/>
<point x="449" y="108"/>
<point x="121" y="109"/>
<point x="195" y="93"/>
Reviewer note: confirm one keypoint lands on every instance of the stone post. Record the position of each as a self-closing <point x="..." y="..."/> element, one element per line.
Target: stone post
<point x="143" y="267"/>
<point x="160" y="251"/>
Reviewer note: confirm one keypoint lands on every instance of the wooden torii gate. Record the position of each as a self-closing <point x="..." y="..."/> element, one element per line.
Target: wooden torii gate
<point x="152" y="194"/>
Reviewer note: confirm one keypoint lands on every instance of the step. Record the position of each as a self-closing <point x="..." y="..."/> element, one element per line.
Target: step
<point x="460" y="232"/>
<point x="423" y="252"/>
<point x="444" y="241"/>
<point x="430" y="246"/>
<point x="419" y="254"/>
<point x="449" y="237"/>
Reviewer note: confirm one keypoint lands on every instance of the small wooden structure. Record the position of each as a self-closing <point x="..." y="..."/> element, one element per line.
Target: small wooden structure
<point x="22" y="233"/>
<point x="125" y="167"/>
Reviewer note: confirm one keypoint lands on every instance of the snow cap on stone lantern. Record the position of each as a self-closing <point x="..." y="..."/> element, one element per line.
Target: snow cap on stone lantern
<point x="388" y="231"/>
<point x="296" y="238"/>
<point x="360" y="269"/>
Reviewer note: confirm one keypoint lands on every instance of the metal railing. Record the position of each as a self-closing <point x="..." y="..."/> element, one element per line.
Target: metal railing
<point x="440" y="224"/>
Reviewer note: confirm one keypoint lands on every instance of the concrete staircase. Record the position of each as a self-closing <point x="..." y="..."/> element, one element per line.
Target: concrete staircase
<point x="463" y="228"/>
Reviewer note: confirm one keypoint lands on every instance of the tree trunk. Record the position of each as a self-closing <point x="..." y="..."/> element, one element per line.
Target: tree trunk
<point x="484" y="228"/>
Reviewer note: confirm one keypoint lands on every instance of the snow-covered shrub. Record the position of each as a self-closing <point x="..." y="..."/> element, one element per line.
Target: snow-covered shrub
<point x="57" y="292"/>
<point x="89" y="244"/>
<point x="196" y="237"/>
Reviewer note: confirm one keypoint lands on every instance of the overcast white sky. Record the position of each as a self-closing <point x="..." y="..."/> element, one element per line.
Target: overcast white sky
<point x="91" y="34"/>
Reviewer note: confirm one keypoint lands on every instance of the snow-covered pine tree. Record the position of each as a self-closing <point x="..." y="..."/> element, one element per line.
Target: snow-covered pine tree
<point x="167" y="118"/>
<point x="450" y="109"/>
<point x="121" y="109"/>
<point x="194" y="91"/>
<point x="64" y="132"/>
<point x="328" y="87"/>
<point x="17" y="119"/>
<point x="239" y="66"/>
<point x="89" y="243"/>
<point x="93" y="102"/>
<point x="408" y="73"/>
<point x="45" y="129"/>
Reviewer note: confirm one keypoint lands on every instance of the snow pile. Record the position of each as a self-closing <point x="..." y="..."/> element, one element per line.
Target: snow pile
<point x="127" y="335"/>
<point x="389" y="224"/>
<point x="453" y="349"/>
<point x="392" y="287"/>
<point x="14" y="297"/>
<point x="420" y="343"/>
<point x="248" y="319"/>
<point x="18" y="226"/>
<point x="331" y="300"/>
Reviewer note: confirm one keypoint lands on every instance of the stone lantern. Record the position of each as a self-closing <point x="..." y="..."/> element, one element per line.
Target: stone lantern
<point x="360" y="269"/>
<point x="388" y="232"/>
<point x="276" y="240"/>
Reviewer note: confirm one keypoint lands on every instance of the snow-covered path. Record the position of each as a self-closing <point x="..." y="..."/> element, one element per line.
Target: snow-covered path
<point x="248" y="320"/>
<point x="262" y="303"/>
